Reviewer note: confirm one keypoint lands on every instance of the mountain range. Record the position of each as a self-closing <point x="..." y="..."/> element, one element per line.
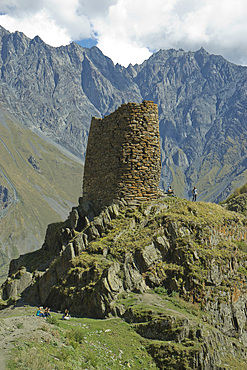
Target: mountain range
<point x="201" y="100"/>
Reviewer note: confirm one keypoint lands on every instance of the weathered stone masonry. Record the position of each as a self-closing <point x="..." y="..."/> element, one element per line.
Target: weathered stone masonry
<point x="123" y="155"/>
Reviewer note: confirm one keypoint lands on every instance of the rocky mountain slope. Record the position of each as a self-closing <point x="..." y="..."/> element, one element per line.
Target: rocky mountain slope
<point x="237" y="201"/>
<point x="39" y="183"/>
<point x="193" y="255"/>
<point x="201" y="100"/>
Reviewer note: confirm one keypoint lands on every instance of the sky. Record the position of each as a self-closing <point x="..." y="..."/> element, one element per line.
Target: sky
<point x="130" y="31"/>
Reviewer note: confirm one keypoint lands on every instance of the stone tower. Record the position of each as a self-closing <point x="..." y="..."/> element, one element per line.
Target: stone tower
<point x="123" y="155"/>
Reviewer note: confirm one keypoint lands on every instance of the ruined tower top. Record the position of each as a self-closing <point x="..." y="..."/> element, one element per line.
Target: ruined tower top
<point x="123" y="155"/>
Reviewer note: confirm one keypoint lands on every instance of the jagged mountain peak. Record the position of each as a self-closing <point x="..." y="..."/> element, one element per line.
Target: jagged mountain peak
<point x="38" y="40"/>
<point x="3" y="31"/>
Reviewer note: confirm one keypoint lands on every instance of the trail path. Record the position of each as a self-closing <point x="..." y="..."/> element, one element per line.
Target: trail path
<point x="16" y="323"/>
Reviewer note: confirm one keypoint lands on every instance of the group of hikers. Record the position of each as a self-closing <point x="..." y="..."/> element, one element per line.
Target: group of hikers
<point x="194" y="192"/>
<point x="46" y="313"/>
<point x="43" y="313"/>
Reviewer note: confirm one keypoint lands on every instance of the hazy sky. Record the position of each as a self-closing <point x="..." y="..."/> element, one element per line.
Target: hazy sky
<point x="129" y="31"/>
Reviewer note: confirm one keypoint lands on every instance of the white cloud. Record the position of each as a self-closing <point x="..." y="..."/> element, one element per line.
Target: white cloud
<point x="38" y="24"/>
<point x="124" y="33"/>
<point x="123" y="52"/>
<point x="57" y="22"/>
<point x="219" y="26"/>
<point x="128" y="29"/>
<point x="94" y="8"/>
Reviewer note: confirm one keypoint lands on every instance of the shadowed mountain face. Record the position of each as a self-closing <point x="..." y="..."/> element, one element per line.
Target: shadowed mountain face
<point x="201" y="98"/>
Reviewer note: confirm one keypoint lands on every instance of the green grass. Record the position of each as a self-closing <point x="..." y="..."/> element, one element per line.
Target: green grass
<point x="233" y="363"/>
<point x="165" y="305"/>
<point x="82" y="343"/>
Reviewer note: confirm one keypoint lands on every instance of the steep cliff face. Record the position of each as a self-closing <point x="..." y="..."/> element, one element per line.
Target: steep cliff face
<point x="201" y="100"/>
<point x="193" y="254"/>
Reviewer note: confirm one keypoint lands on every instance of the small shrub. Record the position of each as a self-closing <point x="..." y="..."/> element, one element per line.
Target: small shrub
<point x="242" y="246"/>
<point x="20" y="325"/>
<point x="174" y="294"/>
<point x="242" y="270"/>
<point x="75" y="335"/>
<point x="160" y="290"/>
<point x="66" y="353"/>
<point x="52" y="320"/>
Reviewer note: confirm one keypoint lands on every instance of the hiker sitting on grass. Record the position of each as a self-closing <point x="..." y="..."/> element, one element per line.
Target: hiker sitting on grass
<point x="40" y="312"/>
<point x="66" y="315"/>
<point x="47" y="312"/>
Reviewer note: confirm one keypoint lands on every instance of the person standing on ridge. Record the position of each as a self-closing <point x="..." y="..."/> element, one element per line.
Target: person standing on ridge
<point x="194" y="192"/>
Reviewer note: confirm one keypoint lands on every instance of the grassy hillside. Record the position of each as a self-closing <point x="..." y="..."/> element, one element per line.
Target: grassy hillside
<point x="79" y="343"/>
<point x="41" y="193"/>
<point x="174" y="270"/>
<point x="237" y="201"/>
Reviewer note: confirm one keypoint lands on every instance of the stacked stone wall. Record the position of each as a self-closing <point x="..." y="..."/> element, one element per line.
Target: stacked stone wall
<point x="123" y="155"/>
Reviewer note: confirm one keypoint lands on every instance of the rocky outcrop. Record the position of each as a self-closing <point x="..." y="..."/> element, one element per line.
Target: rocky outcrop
<point x="177" y="340"/>
<point x="201" y="100"/>
<point x="6" y="197"/>
<point x="18" y="283"/>
<point x="172" y="252"/>
<point x="33" y="163"/>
